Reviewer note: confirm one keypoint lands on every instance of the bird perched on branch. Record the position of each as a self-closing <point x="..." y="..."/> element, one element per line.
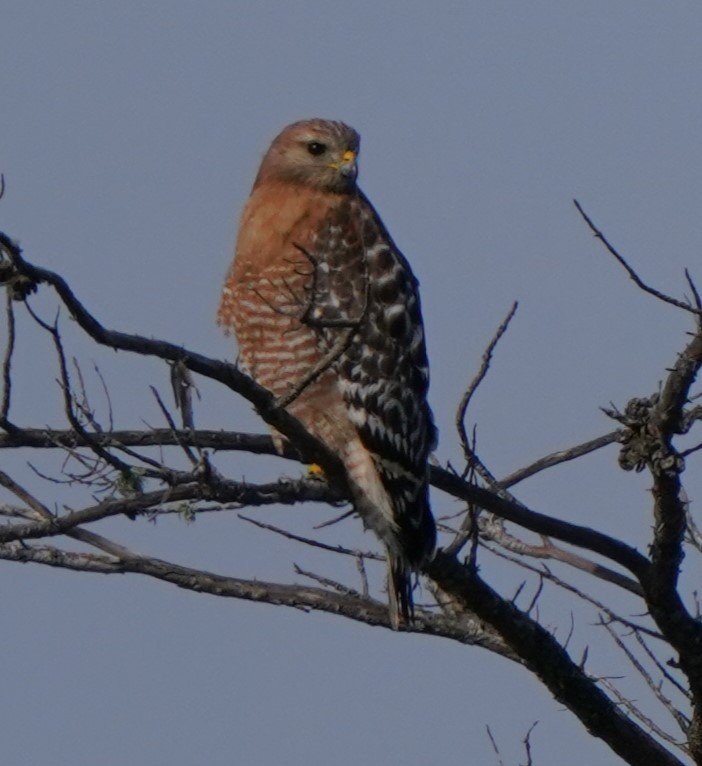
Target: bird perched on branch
<point x="326" y="312"/>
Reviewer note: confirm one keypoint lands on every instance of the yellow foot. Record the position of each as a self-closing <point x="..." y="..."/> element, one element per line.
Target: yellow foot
<point x="315" y="471"/>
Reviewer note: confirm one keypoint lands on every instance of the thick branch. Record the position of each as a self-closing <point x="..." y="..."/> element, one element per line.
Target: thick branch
<point x="45" y="438"/>
<point x="225" y="373"/>
<point x="666" y="466"/>
<point x="350" y="605"/>
<point x="512" y="633"/>
<point x="660" y="423"/>
<point x="669" y="510"/>
<point x="221" y="491"/>
<point x="545" y="657"/>
<point x="582" y="537"/>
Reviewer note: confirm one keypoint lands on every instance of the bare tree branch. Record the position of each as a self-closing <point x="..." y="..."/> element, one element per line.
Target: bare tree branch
<point x="314" y="543"/>
<point x="632" y="274"/>
<point x="545" y="573"/>
<point x="477" y="380"/>
<point x="352" y="606"/>
<point x="582" y="537"/>
<point x="653" y="424"/>
<point x="561" y="456"/>
<point x="440" y="478"/>
<point x="547" y="550"/>
<point x="227" y="374"/>
<point x="551" y="663"/>
<point x="682" y="722"/>
<point x="223" y="491"/>
<point x="464" y="608"/>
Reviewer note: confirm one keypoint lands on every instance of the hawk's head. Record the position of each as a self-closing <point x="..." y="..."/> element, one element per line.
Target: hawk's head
<point x="321" y="154"/>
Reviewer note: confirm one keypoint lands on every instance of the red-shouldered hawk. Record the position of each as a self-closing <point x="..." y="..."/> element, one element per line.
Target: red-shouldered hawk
<point x="317" y="284"/>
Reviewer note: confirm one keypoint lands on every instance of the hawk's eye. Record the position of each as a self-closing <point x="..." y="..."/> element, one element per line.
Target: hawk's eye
<point x="315" y="148"/>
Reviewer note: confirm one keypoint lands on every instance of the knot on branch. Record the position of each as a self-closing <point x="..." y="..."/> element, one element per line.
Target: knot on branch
<point x="642" y="442"/>
<point x="18" y="285"/>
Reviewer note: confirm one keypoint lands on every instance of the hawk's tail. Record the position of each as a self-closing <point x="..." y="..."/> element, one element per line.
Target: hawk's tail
<point x="400" y="587"/>
<point x="395" y="505"/>
<point x="416" y="541"/>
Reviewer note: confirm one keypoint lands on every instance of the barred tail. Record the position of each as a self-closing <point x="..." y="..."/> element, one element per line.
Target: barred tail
<point x="395" y="505"/>
<point x="400" y="601"/>
<point x="416" y="541"/>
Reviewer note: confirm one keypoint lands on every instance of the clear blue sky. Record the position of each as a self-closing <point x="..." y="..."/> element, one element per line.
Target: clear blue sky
<point x="129" y="138"/>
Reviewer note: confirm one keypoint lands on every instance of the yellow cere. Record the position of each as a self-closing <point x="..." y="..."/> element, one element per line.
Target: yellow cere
<point x="346" y="157"/>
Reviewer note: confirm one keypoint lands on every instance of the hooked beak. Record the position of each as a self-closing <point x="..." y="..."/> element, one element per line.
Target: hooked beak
<point x="348" y="166"/>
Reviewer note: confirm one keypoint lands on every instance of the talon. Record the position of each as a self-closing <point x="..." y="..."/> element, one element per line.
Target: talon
<point x="315" y="471"/>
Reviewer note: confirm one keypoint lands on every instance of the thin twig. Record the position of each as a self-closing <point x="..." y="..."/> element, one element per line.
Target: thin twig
<point x="494" y="746"/>
<point x="68" y="398"/>
<point x="527" y="743"/>
<point x="326" y="582"/>
<point x="630" y="271"/>
<point x="637" y="713"/>
<point x="312" y="543"/>
<point x="108" y="398"/>
<point x="547" y="550"/>
<point x="561" y="456"/>
<point x="546" y="573"/>
<point x="169" y="419"/>
<point x="695" y="291"/>
<point x="340" y="346"/>
<point x="682" y="722"/>
<point x="582" y="537"/>
<point x="477" y="380"/>
<point x="38" y="511"/>
<point x="662" y="669"/>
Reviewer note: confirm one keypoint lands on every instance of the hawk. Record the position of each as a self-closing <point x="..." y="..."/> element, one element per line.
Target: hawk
<point x="326" y="313"/>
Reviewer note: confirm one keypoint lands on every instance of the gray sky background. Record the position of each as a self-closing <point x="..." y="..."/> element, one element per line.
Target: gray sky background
<point x="129" y="139"/>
